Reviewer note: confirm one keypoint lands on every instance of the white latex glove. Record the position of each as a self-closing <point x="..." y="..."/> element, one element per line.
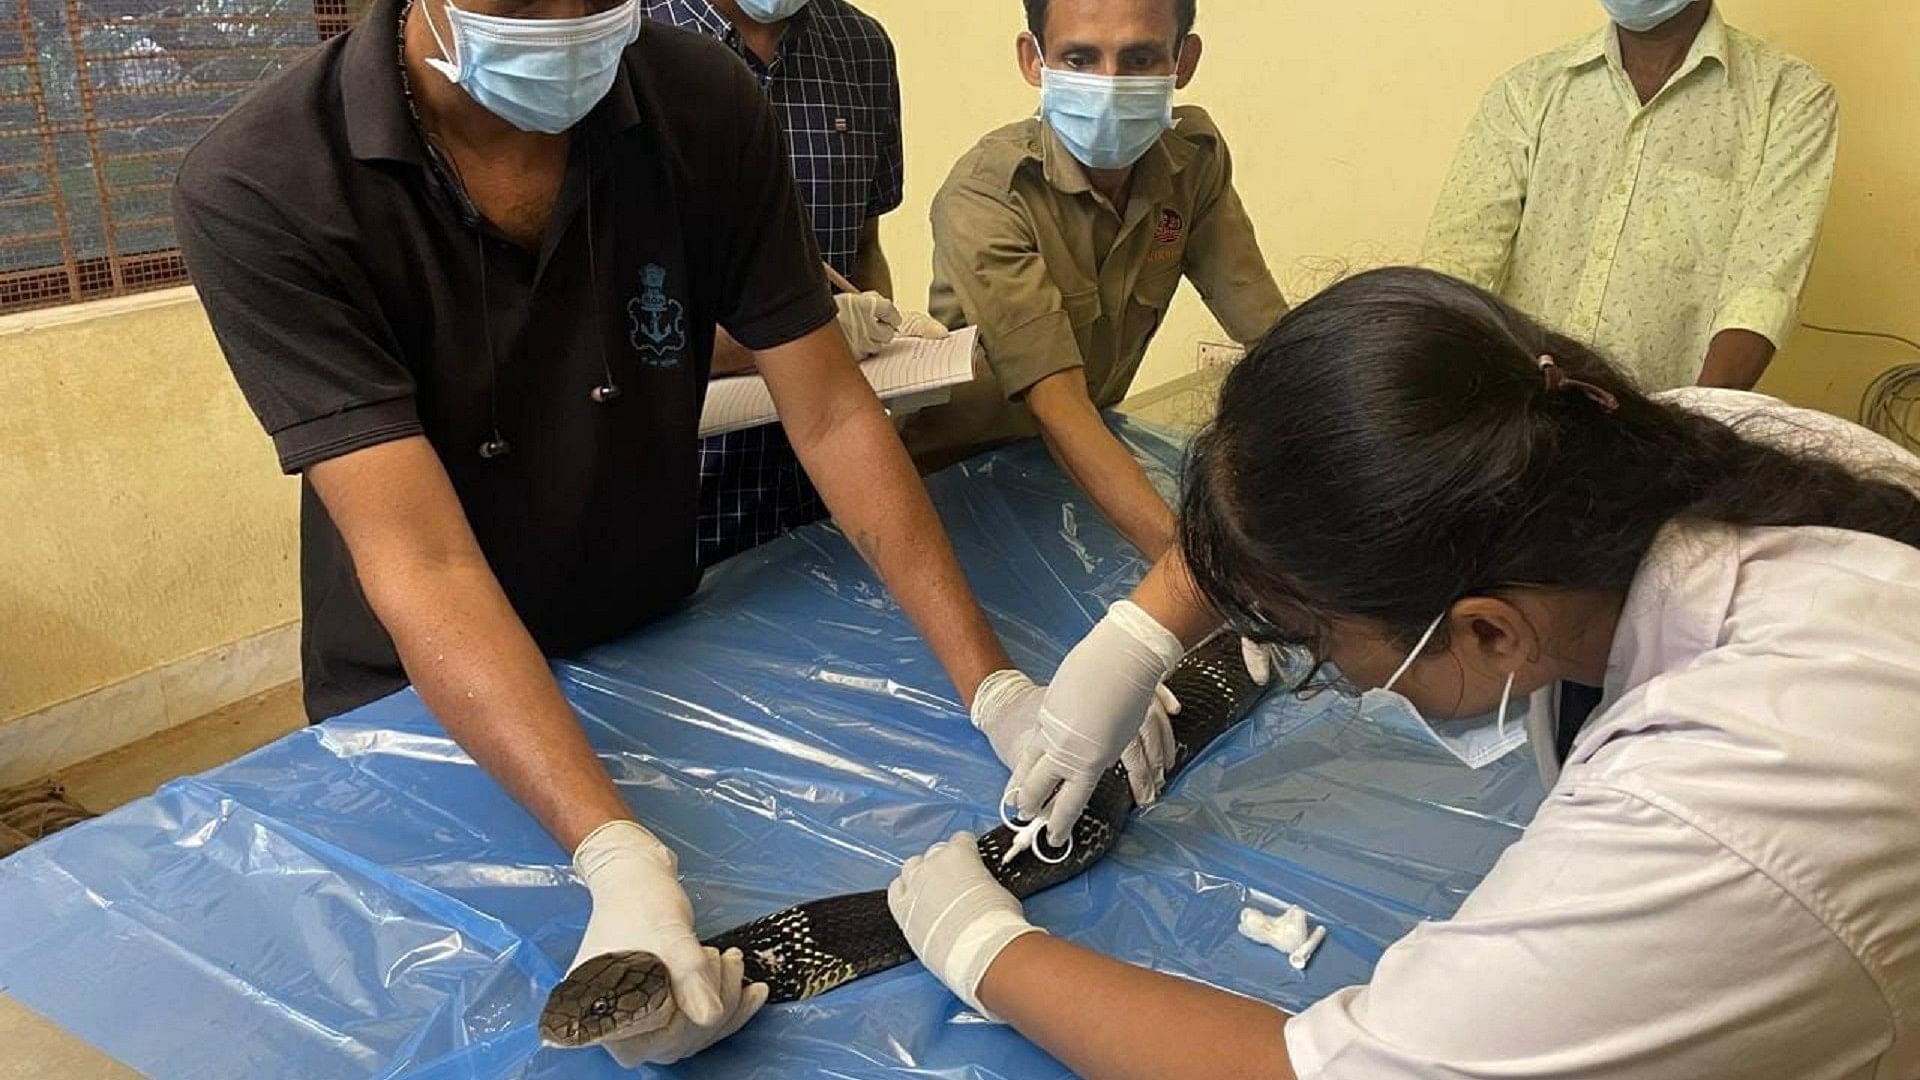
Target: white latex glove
<point x="1091" y="712"/>
<point x="1006" y="709"/>
<point x="1267" y="663"/>
<point x="918" y="324"/>
<point x="682" y="1038"/>
<point x="872" y="321"/>
<point x="638" y="906"/>
<point x="956" y="917"/>
<point x="869" y="320"/>
<point x="1260" y="660"/>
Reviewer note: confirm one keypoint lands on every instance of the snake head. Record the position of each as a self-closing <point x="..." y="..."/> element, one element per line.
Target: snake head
<point x="619" y="994"/>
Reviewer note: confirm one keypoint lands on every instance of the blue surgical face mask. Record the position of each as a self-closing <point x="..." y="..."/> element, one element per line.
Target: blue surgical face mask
<point x="1642" y="15"/>
<point x="1478" y="742"/>
<point x="1106" y="121"/>
<point x="537" y="74"/>
<point x="771" y="11"/>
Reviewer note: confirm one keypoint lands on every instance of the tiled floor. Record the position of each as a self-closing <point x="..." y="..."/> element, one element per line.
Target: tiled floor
<point x="107" y="781"/>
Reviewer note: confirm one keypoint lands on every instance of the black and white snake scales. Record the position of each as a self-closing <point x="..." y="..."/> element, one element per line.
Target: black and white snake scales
<point x="814" y="947"/>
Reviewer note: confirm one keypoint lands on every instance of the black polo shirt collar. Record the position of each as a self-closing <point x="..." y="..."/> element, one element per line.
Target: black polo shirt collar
<point x="379" y="125"/>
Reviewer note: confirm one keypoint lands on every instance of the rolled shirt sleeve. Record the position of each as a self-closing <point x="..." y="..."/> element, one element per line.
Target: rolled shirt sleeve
<point x="1224" y="260"/>
<point x="1772" y="248"/>
<point x="1614" y="941"/>
<point x="988" y="255"/>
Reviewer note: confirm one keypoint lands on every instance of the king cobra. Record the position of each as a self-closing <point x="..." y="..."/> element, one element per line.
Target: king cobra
<point x="812" y="948"/>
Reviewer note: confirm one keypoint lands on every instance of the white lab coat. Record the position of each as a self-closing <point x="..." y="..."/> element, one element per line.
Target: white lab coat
<point x="1724" y="880"/>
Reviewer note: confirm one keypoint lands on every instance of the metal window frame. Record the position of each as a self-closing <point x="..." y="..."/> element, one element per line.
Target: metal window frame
<point x="76" y="277"/>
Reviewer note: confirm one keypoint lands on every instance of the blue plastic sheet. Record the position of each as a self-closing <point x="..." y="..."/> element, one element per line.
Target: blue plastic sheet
<point x="358" y="900"/>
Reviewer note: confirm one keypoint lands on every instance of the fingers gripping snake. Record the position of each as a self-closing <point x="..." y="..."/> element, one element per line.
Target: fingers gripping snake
<point x="815" y="947"/>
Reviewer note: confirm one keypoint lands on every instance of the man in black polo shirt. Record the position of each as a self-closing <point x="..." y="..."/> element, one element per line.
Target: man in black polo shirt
<point x="467" y="269"/>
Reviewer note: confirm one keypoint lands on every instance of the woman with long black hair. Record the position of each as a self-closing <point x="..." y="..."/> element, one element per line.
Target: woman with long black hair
<point x="1702" y="609"/>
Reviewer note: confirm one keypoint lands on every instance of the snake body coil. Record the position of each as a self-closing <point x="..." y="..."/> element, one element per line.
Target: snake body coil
<point x="811" y="948"/>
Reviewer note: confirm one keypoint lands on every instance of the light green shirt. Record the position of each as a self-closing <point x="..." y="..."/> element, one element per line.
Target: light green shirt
<point x="1645" y="230"/>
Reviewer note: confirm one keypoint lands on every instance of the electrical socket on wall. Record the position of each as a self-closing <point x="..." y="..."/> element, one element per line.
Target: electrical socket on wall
<point x="1217" y="355"/>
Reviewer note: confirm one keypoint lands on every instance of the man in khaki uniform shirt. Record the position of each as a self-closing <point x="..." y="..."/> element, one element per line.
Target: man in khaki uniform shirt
<point x="1657" y="193"/>
<point x="1068" y="269"/>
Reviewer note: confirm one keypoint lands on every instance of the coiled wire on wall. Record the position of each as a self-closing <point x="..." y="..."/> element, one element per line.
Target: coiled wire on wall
<point x="1892" y="400"/>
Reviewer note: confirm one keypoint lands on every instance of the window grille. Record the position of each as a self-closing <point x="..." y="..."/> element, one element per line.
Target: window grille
<point x="99" y="100"/>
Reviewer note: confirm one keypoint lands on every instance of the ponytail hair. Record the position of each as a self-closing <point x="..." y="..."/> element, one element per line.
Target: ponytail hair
<point x="1396" y="444"/>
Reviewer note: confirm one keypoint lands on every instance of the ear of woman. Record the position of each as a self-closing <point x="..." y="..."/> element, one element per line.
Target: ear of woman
<point x="1536" y="637"/>
<point x="1492" y="636"/>
<point x="1487" y="649"/>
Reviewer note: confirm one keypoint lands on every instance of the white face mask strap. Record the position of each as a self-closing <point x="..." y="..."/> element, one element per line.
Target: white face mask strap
<point x="1038" y="49"/>
<point x="1425" y="639"/>
<point x="446" y="54"/>
<point x="1506" y="695"/>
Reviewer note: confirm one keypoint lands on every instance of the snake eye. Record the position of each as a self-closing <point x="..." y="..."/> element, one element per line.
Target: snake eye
<point x="601" y="1008"/>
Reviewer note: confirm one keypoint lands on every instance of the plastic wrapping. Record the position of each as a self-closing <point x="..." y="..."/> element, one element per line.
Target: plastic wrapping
<point x="359" y="900"/>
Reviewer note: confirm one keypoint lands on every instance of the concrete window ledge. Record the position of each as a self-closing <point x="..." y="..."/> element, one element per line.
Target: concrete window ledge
<point x="25" y="322"/>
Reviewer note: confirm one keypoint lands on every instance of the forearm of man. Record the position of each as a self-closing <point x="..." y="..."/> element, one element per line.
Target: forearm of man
<point x="852" y="453"/>
<point x="462" y="644"/>
<point x="1086" y="1009"/>
<point x="1736" y="359"/>
<point x="1103" y="468"/>
<point x="870" y="267"/>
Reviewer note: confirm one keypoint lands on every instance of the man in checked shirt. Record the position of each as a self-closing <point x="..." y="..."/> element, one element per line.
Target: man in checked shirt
<point x="829" y="70"/>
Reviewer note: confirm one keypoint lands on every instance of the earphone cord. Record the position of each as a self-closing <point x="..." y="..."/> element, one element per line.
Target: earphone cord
<point x="497" y="444"/>
<point x="593" y="274"/>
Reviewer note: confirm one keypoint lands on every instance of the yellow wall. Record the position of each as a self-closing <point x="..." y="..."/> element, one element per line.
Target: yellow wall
<point x="1343" y="119"/>
<point x="146" y="519"/>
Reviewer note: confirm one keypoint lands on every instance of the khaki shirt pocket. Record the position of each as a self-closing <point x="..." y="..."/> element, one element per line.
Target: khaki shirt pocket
<point x="1153" y="294"/>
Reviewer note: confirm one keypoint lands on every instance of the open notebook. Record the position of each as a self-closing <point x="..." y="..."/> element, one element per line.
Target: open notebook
<point x="910" y="373"/>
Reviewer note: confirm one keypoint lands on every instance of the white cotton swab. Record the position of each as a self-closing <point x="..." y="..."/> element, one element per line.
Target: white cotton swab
<point x="1286" y="932"/>
<point x="1302" y="955"/>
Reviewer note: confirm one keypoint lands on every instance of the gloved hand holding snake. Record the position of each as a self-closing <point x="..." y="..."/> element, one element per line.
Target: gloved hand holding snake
<point x="619" y="990"/>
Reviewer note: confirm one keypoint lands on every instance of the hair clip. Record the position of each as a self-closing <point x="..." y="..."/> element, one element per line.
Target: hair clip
<point x="1558" y="380"/>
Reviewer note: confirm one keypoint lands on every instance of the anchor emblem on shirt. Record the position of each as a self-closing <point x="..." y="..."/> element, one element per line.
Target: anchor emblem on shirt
<point x="659" y="322"/>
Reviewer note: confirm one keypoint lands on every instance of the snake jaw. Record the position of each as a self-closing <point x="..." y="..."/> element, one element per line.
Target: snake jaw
<point x="619" y="994"/>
